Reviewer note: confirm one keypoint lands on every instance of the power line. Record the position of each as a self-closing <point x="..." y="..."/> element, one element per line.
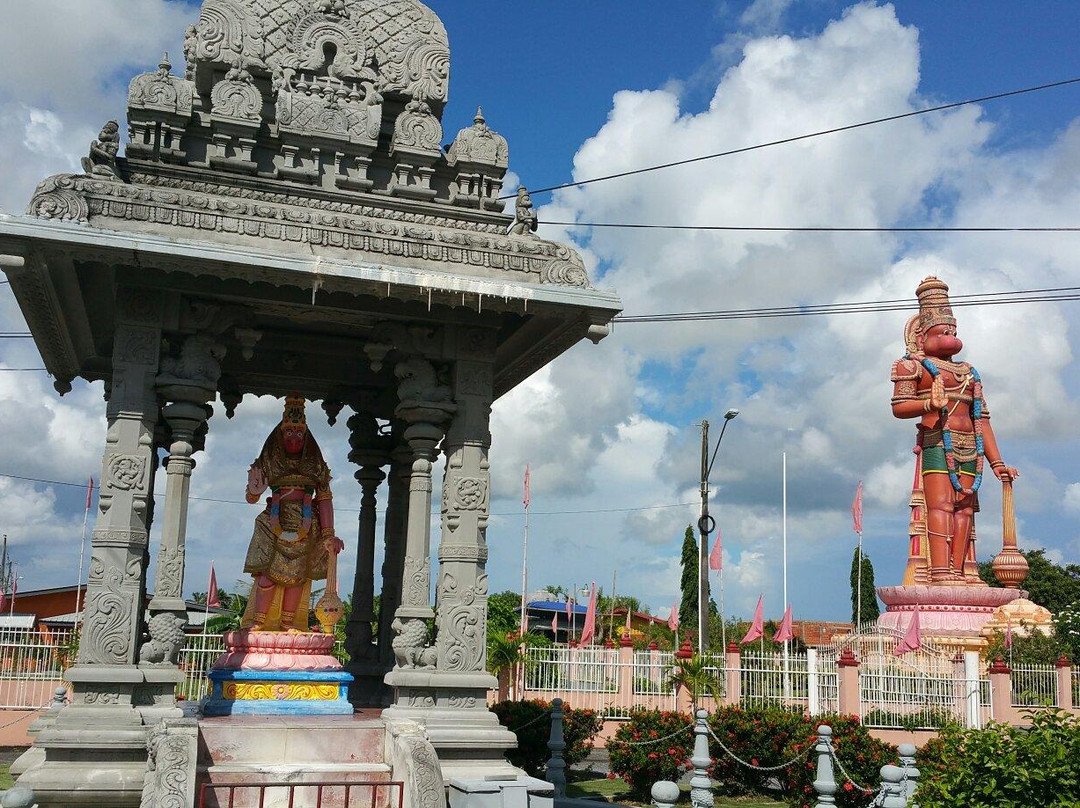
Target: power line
<point x="24" y="370"/>
<point x="357" y="510"/>
<point x="1068" y="293"/>
<point x="815" y="229"/>
<point x="797" y="138"/>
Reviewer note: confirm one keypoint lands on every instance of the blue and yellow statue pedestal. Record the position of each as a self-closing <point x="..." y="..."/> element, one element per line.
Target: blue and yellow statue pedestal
<point x="279" y="693"/>
<point x="274" y="673"/>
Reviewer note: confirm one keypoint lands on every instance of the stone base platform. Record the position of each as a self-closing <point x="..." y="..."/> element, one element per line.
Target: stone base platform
<point x="240" y="751"/>
<point x="265" y="692"/>
<point x="952" y="616"/>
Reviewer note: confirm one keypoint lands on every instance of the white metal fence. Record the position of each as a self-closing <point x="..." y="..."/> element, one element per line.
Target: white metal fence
<point x="199" y="652"/>
<point x="1034" y="686"/>
<point x="32" y="664"/>
<point x="768" y="679"/>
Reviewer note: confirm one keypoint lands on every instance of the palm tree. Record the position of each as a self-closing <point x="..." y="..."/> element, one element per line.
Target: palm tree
<point x="505" y="652"/>
<point x="697" y="678"/>
<point x="230" y="621"/>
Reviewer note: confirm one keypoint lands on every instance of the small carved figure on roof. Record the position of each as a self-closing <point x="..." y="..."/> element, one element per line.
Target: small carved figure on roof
<point x="103" y="151"/>
<point x="525" y="219"/>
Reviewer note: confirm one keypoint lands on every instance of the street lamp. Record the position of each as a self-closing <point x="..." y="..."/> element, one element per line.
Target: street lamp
<point x="706" y="525"/>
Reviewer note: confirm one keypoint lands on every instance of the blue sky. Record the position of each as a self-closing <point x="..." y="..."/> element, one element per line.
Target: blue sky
<point x="581" y="89"/>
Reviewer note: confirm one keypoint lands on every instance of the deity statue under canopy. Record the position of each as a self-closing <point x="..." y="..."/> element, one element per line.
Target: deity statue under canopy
<point x="293" y="543"/>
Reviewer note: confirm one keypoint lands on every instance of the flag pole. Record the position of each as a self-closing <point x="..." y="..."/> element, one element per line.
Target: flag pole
<point x="82" y="554"/>
<point x="525" y="559"/>
<point x="787" y="643"/>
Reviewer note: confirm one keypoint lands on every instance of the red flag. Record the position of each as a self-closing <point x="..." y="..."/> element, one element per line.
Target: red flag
<point x="569" y="608"/>
<point x="785" y="632"/>
<point x="856" y="509"/>
<point x="912" y="638"/>
<point x="673" y="618"/>
<point x="589" y="631"/>
<point x="89" y="492"/>
<point x="526" y="499"/>
<point x="212" y="599"/>
<point x="757" y="628"/>
<point x="716" y="557"/>
<point x="1008" y="632"/>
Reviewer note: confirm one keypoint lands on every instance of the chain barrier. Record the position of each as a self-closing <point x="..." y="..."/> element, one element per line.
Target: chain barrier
<point x="654" y="740"/>
<point x="848" y="777"/>
<point x="545" y="714"/>
<point x="29" y="714"/>
<point x="799" y="757"/>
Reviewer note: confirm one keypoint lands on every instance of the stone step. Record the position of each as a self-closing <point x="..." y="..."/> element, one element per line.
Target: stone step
<point x="290" y="741"/>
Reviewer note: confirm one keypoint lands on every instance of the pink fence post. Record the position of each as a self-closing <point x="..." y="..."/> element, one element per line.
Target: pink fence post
<point x="733" y="675"/>
<point x="1001" y="691"/>
<point x="1064" y="684"/>
<point x="848" y="699"/>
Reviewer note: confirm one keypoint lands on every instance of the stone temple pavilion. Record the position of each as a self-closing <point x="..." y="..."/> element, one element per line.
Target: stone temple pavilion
<point x="287" y="220"/>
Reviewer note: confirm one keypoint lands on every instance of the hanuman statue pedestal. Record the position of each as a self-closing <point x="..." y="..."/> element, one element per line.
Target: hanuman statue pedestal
<point x="274" y="665"/>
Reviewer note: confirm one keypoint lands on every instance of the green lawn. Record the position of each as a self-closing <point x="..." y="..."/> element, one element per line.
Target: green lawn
<point x="617" y="790"/>
<point x="5" y="778"/>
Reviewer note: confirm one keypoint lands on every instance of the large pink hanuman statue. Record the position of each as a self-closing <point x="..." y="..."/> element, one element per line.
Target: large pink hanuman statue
<point x="954" y="441"/>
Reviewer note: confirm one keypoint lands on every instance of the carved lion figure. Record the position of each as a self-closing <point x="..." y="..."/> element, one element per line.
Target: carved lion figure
<point x="166" y="637"/>
<point x="409" y="644"/>
<point x="418" y="382"/>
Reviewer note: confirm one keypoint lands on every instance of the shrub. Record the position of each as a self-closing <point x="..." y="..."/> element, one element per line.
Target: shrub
<point x="1006" y="767"/>
<point x="642" y="765"/>
<point x="758" y="735"/>
<point x="926" y="718"/>
<point x="533" y="732"/>
<point x="861" y="755"/>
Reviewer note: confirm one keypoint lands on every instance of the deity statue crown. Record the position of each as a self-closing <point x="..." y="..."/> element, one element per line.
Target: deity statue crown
<point x="294" y="411"/>
<point x="934" y="305"/>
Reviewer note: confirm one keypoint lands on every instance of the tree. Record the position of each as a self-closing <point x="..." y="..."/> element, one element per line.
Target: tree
<point x="503" y="616"/>
<point x="200" y="597"/>
<point x="1051" y="585"/>
<point x="870" y="608"/>
<point x="688" y="606"/>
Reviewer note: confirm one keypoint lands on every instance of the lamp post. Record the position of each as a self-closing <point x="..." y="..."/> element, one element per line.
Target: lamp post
<point x="706" y="525"/>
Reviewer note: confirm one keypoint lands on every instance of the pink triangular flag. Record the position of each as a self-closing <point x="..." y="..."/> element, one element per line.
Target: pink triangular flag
<point x="716" y="557"/>
<point x="1008" y="632"/>
<point x="785" y="633"/>
<point x="856" y="509"/>
<point x="757" y="628"/>
<point x="589" y="631"/>
<point x="212" y="599"/>
<point x="673" y="618"/>
<point x="912" y="638"/>
<point x="555" y="625"/>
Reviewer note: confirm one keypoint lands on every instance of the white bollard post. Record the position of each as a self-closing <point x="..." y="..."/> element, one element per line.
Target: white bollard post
<point x="665" y="794"/>
<point x="556" y="766"/>
<point x="911" y="772"/>
<point x="892" y="789"/>
<point x="972" y="688"/>
<point x="825" y="782"/>
<point x="701" y="795"/>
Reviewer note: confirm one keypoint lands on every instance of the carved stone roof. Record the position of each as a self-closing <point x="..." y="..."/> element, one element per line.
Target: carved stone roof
<point x="301" y="151"/>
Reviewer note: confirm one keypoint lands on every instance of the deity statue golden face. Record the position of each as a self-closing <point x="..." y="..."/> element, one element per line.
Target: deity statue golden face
<point x="941" y="341"/>
<point x="293" y="435"/>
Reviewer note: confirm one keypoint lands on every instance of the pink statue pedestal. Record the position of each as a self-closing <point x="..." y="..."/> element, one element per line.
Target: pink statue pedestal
<point x="951" y="616"/>
<point x="277" y="673"/>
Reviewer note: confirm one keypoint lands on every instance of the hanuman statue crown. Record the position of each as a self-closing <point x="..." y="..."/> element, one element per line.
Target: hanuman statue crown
<point x="294" y="411"/>
<point x="934" y="306"/>
<point x="934" y="309"/>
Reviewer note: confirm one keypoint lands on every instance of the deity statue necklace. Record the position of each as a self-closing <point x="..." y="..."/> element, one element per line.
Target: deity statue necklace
<point x="963" y="377"/>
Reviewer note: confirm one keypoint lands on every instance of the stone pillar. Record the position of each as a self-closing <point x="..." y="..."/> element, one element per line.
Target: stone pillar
<point x="393" y="570"/>
<point x="847" y="696"/>
<point x="95" y="751"/>
<point x="425" y="406"/>
<point x="451" y="699"/>
<point x="733" y="672"/>
<point x="1064" y="684"/>
<point x="159" y="655"/>
<point x="370" y="452"/>
<point x="1001" y="691"/>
